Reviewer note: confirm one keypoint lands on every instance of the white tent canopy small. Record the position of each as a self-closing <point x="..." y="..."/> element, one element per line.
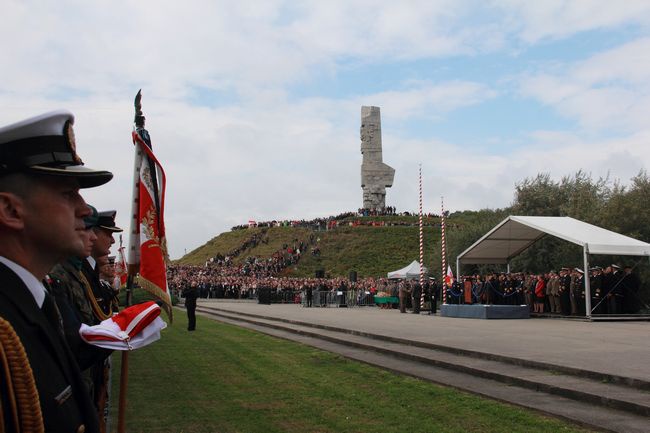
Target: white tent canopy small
<point x="410" y="271"/>
<point x="515" y="234"/>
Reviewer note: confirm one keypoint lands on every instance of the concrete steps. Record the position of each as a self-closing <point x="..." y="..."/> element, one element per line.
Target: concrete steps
<point x="604" y="401"/>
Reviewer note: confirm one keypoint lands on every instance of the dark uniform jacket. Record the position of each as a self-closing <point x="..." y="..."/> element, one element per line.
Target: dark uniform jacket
<point x="103" y="296"/>
<point x="65" y="403"/>
<point x="68" y="289"/>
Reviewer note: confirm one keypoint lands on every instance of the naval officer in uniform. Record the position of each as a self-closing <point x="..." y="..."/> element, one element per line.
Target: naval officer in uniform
<point x="41" y="214"/>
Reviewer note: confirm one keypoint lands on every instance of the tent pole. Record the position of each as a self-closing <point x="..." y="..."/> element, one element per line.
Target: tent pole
<point x="457" y="267"/>
<point x="508" y="268"/>
<point x="587" y="282"/>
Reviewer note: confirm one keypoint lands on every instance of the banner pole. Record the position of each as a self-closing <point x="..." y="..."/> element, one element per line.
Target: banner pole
<point x="124" y="380"/>
<point x="422" y="295"/>
<point x="133" y="260"/>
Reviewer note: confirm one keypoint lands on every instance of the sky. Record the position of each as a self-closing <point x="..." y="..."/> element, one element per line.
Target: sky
<point x="254" y="107"/>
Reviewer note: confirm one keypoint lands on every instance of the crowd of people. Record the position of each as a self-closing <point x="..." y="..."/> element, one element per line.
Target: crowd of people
<point x="613" y="290"/>
<point x="252" y="242"/>
<point x="288" y="255"/>
<point x="212" y="283"/>
<point x="314" y="224"/>
<point x="346" y="219"/>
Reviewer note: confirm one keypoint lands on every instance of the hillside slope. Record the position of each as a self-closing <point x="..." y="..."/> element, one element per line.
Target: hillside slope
<point x="368" y="250"/>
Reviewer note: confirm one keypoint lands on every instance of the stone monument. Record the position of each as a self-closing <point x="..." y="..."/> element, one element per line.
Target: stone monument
<point x="375" y="175"/>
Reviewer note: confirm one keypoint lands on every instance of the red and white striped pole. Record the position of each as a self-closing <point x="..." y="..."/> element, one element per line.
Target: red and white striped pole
<point x="443" y="243"/>
<point x="421" y="247"/>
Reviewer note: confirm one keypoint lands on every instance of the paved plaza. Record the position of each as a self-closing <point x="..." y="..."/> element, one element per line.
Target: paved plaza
<point x="617" y="348"/>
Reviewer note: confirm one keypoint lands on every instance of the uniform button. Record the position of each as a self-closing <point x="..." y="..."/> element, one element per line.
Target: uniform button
<point x="81" y="429"/>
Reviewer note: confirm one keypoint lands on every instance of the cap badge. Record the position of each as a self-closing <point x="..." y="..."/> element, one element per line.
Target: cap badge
<point x="68" y="133"/>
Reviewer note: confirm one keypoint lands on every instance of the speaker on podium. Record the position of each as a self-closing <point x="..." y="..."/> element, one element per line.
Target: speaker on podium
<point x="320" y="273"/>
<point x="353" y="276"/>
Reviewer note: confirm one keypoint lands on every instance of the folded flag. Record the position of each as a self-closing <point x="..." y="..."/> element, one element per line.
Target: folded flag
<point x="132" y="328"/>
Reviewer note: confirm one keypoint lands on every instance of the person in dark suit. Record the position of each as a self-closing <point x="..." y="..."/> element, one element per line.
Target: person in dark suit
<point x="434" y="293"/>
<point x="309" y="294"/>
<point x="190" y="294"/>
<point x="41" y="212"/>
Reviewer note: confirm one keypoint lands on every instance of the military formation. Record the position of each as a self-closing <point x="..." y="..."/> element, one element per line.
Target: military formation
<point x="53" y="248"/>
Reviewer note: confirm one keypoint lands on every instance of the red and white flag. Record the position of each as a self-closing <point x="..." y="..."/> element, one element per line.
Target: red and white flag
<point x="132" y="328"/>
<point x="148" y="245"/>
<point x="120" y="265"/>
<point x="153" y="244"/>
<point x="449" y="278"/>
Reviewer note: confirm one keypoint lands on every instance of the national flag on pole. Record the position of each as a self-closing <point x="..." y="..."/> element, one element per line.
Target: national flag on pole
<point x="148" y="226"/>
<point x="120" y="265"/>
<point x="449" y="278"/>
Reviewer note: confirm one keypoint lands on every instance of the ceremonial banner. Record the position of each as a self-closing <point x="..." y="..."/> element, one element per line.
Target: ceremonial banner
<point x="153" y="245"/>
<point x="147" y="245"/>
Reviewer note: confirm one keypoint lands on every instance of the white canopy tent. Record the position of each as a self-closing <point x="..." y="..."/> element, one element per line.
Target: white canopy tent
<point x="516" y="233"/>
<point x="410" y="271"/>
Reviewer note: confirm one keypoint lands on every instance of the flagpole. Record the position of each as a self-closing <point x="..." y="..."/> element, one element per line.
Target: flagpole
<point x="134" y="234"/>
<point x="422" y="296"/>
<point x="443" y="249"/>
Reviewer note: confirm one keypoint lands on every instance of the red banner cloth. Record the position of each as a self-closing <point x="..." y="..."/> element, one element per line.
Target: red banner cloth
<point x="153" y="244"/>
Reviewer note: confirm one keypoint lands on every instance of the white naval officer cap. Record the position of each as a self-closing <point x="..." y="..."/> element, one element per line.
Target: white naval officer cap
<point x="46" y="145"/>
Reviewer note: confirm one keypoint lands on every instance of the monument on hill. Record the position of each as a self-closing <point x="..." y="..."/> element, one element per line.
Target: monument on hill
<point x="375" y="175"/>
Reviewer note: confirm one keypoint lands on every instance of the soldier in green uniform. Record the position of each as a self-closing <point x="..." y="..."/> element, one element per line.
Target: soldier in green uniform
<point x="68" y="281"/>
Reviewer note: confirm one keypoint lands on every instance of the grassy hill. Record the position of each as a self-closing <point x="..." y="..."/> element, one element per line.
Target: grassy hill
<point x="371" y="251"/>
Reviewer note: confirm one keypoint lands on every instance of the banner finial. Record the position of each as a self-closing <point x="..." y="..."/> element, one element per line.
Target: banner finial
<point x="139" y="117"/>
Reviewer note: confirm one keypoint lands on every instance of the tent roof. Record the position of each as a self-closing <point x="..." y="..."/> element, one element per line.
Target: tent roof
<point x="516" y="233"/>
<point x="410" y="271"/>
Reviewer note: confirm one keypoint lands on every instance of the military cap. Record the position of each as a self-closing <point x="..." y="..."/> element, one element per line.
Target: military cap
<point x="615" y="266"/>
<point x="580" y="271"/>
<point x="106" y="221"/>
<point x="91" y="220"/>
<point x="45" y="144"/>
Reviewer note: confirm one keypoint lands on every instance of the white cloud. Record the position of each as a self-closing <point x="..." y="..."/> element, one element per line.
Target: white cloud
<point x="609" y="90"/>
<point x="238" y="143"/>
<point x="533" y="21"/>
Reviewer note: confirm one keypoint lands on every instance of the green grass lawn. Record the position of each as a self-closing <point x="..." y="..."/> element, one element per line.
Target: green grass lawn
<point x="223" y="378"/>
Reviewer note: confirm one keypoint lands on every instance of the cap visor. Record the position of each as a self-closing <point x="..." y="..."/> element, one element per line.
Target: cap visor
<point x="87" y="177"/>
<point x="111" y="229"/>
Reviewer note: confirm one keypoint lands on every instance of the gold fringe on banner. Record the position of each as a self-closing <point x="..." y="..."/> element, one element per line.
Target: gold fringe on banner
<point x="158" y="293"/>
